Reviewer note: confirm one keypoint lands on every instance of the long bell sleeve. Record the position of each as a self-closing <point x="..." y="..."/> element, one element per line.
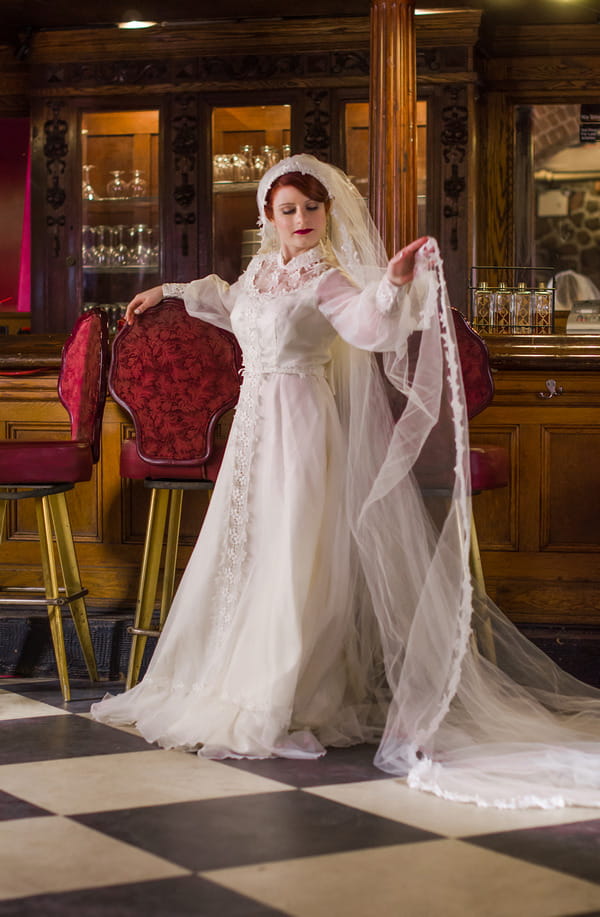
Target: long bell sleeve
<point x="210" y="299"/>
<point x="379" y="317"/>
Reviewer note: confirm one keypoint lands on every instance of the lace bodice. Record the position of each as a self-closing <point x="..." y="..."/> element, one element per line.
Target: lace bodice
<point x="276" y="319"/>
<point x="286" y="315"/>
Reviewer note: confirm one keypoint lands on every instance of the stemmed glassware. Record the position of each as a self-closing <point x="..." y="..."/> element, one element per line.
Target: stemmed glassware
<point x="104" y="256"/>
<point x="138" y="184"/>
<point x="87" y="192"/>
<point x="116" y="187"/>
<point x="141" y="250"/>
<point x="88" y="247"/>
<point x="120" y="251"/>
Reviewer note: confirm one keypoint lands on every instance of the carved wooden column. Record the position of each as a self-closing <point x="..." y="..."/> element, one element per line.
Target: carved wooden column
<point x="393" y="118"/>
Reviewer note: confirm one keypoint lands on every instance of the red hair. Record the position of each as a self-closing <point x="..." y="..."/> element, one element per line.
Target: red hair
<point x="308" y="185"/>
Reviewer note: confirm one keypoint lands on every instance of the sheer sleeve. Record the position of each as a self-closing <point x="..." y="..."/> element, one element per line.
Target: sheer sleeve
<point x="375" y="318"/>
<point x="210" y="299"/>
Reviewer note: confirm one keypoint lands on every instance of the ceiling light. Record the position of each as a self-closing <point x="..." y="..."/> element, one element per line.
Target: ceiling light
<point x="136" y="24"/>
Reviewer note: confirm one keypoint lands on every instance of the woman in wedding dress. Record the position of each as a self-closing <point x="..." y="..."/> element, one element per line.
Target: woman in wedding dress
<point x="325" y="603"/>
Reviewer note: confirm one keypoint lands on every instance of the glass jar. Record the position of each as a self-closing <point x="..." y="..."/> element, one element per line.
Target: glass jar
<point x="522" y="320"/>
<point x="502" y="309"/>
<point x="543" y="309"/>
<point x="482" y="307"/>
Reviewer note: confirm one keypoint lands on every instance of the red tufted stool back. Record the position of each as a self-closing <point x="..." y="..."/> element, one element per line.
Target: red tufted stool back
<point x="176" y="376"/>
<point x="45" y="470"/>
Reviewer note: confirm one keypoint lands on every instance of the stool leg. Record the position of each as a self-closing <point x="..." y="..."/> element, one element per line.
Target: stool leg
<point x="485" y="633"/>
<point x="157" y="518"/>
<point x="72" y="578"/>
<point x="44" y="525"/>
<point x="170" y="563"/>
<point x="3" y="505"/>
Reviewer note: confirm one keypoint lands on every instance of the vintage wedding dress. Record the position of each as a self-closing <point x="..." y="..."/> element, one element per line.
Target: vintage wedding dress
<point x="327" y="602"/>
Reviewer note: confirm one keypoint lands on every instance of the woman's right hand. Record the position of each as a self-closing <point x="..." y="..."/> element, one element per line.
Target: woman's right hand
<point x="143" y="301"/>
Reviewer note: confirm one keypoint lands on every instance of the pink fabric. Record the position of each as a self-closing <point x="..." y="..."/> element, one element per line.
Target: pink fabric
<point x="176" y="375"/>
<point x="24" y="295"/>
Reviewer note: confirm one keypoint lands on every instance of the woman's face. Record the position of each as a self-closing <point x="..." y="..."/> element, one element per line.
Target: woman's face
<point x="300" y="222"/>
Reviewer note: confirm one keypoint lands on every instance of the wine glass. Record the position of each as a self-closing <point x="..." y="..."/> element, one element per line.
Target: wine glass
<point x="87" y="192"/>
<point x="102" y="251"/>
<point x="140" y="252"/>
<point x="88" y="248"/>
<point x="138" y="184"/>
<point x="116" y="187"/>
<point x="120" y="251"/>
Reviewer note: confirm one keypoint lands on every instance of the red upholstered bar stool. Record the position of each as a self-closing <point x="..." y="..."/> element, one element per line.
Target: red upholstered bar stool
<point x="489" y="463"/>
<point x="176" y="376"/>
<point x="44" y="471"/>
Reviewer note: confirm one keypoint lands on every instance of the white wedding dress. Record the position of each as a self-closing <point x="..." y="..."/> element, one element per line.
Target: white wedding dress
<point x="324" y="604"/>
<point x="263" y="651"/>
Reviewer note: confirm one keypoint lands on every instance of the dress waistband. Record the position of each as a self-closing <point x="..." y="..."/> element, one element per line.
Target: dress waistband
<point x="309" y="369"/>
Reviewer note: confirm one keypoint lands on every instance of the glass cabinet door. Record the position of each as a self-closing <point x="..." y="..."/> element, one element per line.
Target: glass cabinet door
<point x="356" y="145"/>
<point x="246" y="140"/>
<point x="120" y="239"/>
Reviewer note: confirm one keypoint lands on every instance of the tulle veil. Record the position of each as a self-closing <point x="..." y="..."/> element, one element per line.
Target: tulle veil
<point x="510" y="731"/>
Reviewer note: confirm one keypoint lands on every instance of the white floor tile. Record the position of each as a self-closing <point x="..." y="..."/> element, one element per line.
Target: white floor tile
<point x="100" y="783"/>
<point x="42" y="855"/>
<point x="445" y="878"/>
<point x="16" y="707"/>
<point x="393" y="799"/>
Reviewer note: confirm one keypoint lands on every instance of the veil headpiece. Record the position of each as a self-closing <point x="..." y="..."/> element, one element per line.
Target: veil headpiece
<point x="352" y="235"/>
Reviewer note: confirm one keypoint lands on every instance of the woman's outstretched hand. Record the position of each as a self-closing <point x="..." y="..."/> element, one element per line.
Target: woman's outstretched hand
<point x="401" y="268"/>
<point x="141" y="302"/>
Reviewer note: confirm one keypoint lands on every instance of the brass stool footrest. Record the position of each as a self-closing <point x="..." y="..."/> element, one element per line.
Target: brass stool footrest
<point x="142" y="632"/>
<point x="11" y="594"/>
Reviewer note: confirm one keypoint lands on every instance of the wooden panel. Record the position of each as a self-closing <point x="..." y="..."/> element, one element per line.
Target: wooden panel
<point x="570" y="488"/>
<point x="496" y="511"/>
<point x="551" y="573"/>
<point x="495" y="186"/>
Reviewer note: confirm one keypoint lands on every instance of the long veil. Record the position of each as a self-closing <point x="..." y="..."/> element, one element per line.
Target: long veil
<point x="509" y="731"/>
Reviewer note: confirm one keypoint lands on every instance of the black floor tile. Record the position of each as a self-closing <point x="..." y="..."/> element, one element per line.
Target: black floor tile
<point x="339" y="765"/>
<point x="46" y="738"/>
<point x="83" y="693"/>
<point x="235" y="831"/>
<point x="189" y="896"/>
<point x="12" y="807"/>
<point x="573" y="848"/>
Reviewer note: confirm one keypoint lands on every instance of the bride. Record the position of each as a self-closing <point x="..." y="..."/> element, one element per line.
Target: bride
<point x="326" y="602"/>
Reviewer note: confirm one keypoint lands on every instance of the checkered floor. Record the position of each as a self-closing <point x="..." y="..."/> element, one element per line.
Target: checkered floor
<point x="93" y="821"/>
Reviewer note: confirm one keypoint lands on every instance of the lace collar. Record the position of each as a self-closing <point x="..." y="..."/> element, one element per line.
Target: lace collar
<point x="302" y="261"/>
<point x="267" y="274"/>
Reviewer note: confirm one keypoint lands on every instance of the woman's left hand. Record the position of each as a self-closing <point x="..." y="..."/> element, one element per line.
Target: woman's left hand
<point x="401" y="268"/>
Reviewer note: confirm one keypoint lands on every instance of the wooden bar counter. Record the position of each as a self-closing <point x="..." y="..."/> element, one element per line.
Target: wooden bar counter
<point x="540" y="537"/>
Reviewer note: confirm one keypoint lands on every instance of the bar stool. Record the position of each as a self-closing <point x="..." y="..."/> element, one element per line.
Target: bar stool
<point x="44" y="471"/>
<point x="489" y="463"/>
<point x="176" y="376"/>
